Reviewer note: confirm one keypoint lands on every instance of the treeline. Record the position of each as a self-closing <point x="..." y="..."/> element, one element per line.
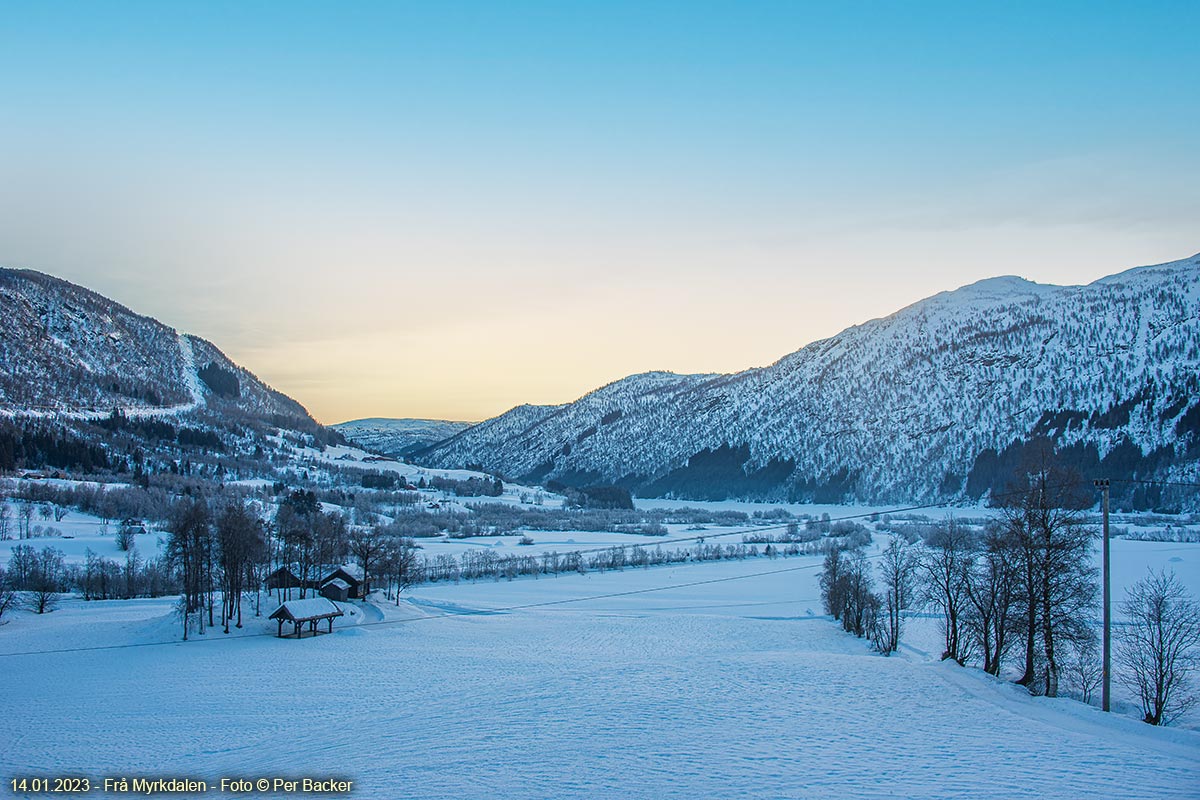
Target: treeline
<point x="486" y="564"/>
<point x="1019" y="590"/>
<point x="1024" y="585"/>
<point x="471" y="487"/>
<point x="616" y="497"/>
<point x="35" y="447"/>
<point x="110" y="502"/>
<point x="156" y="430"/>
<point x="495" y="519"/>
<point x="855" y="534"/>
<point x="1170" y="533"/>
<point x="40" y="577"/>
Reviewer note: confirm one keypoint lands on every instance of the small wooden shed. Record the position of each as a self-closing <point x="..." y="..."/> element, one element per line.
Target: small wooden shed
<point x="336" y="589"/>
<point x="310" y="611"/>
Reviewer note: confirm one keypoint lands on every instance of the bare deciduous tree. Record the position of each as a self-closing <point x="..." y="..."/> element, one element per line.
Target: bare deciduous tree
<point x="8" y="597"/>
<point x="188" y="549"/>
<point x="990" y="586"/>
<point x="240" y="542"/>
<point x="45" y="582"/>
<point x="1055" y="577"/>
<point x="860" y="611"/>
<point x="126" y="537"/>
<point x="832" y="587"/>
<point x="400" y="562"/>
<point x="896" y="572"/>
<point x="25" y="515"/>
<point x="1159" y="647"/>
<point x="944" y="565"/>
<point x="367" y="546"/>
<point x="1083" y="669"/>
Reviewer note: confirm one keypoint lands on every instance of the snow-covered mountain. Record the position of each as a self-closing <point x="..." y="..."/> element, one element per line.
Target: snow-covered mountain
<point x="398" y="437"/>
<point x="67" y="353"/>
<point x="938" y="401"/>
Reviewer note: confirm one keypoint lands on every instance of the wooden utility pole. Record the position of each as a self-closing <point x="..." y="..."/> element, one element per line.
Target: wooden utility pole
<point x="1106" y="673"/>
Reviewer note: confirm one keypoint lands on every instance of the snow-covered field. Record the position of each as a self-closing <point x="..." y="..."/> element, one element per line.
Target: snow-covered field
<point x="348" y="456"/>
<point x="76" y="534"/>
<point x="838" y="511"/>
<point x="710" y="680"/>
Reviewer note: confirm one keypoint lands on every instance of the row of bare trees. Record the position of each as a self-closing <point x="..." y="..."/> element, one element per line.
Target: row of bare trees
<point x="385" y="556"/>
<point x="24" y="514"/>
<point x="1024" y="586"/>
<point x="1024" y="583"/>
<point x="40" y="576"/>
<point x="307" y="541"/>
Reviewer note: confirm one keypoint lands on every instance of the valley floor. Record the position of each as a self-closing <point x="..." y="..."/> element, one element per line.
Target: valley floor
<point x="722" y="686"/>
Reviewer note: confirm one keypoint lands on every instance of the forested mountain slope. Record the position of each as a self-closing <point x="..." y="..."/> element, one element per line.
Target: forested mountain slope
<point x="938" y="401"/>
<point x="69" y="352"/>
<point x="87" y="384"/>
<point x="398" y="437"/>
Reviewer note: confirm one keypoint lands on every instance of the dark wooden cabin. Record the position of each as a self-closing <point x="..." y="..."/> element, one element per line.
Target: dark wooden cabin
<point x="282" y="578"/>
<point x="352" y="577"/>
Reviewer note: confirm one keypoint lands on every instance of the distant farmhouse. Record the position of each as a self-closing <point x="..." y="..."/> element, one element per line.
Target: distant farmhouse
<point x="282" y="578"/>
<point x="342" y="584"/>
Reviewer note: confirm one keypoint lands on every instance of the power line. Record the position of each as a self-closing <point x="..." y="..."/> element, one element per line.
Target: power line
<point x="1155" y="483"/>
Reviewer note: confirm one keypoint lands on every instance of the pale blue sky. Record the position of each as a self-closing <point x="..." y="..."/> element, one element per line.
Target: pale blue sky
<point x="445" y="209"/>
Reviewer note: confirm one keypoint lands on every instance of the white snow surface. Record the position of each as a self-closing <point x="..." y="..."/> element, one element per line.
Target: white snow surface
<point x="309" y="607"/>
<point x="726" y="682"/>
<point x="76" y="534"/>
<point x="349" y="456"/>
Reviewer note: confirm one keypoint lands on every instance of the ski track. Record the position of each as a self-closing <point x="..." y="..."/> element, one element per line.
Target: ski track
<point x="611" y="700"/>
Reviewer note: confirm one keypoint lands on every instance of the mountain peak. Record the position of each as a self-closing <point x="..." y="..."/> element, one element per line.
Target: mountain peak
<point x="1156" y="272"/>
<point x="933" y="403"/>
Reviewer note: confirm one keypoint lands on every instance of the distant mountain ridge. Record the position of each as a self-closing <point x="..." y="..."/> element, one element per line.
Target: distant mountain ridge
<point x="398" y="438"/>
<point x="936" y="402"/>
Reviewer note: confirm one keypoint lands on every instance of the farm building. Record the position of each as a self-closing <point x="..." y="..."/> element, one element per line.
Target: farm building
<point x="306" y="612"/>
<point x="336" y="589"/>
<point x="352" y="576"/>
<point x="282" y="578"/>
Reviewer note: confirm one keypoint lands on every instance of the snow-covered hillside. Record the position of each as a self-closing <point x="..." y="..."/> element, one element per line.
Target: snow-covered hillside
<point x="71" y="354"/>
<point x="398" y="437"/>
<point x="936" y="401"/>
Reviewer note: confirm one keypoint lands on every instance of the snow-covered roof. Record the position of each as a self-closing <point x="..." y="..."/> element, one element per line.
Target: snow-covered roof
<point x="338" y="582"/>
<point x="353" y="570"/>
<point x="307" y="609"/>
